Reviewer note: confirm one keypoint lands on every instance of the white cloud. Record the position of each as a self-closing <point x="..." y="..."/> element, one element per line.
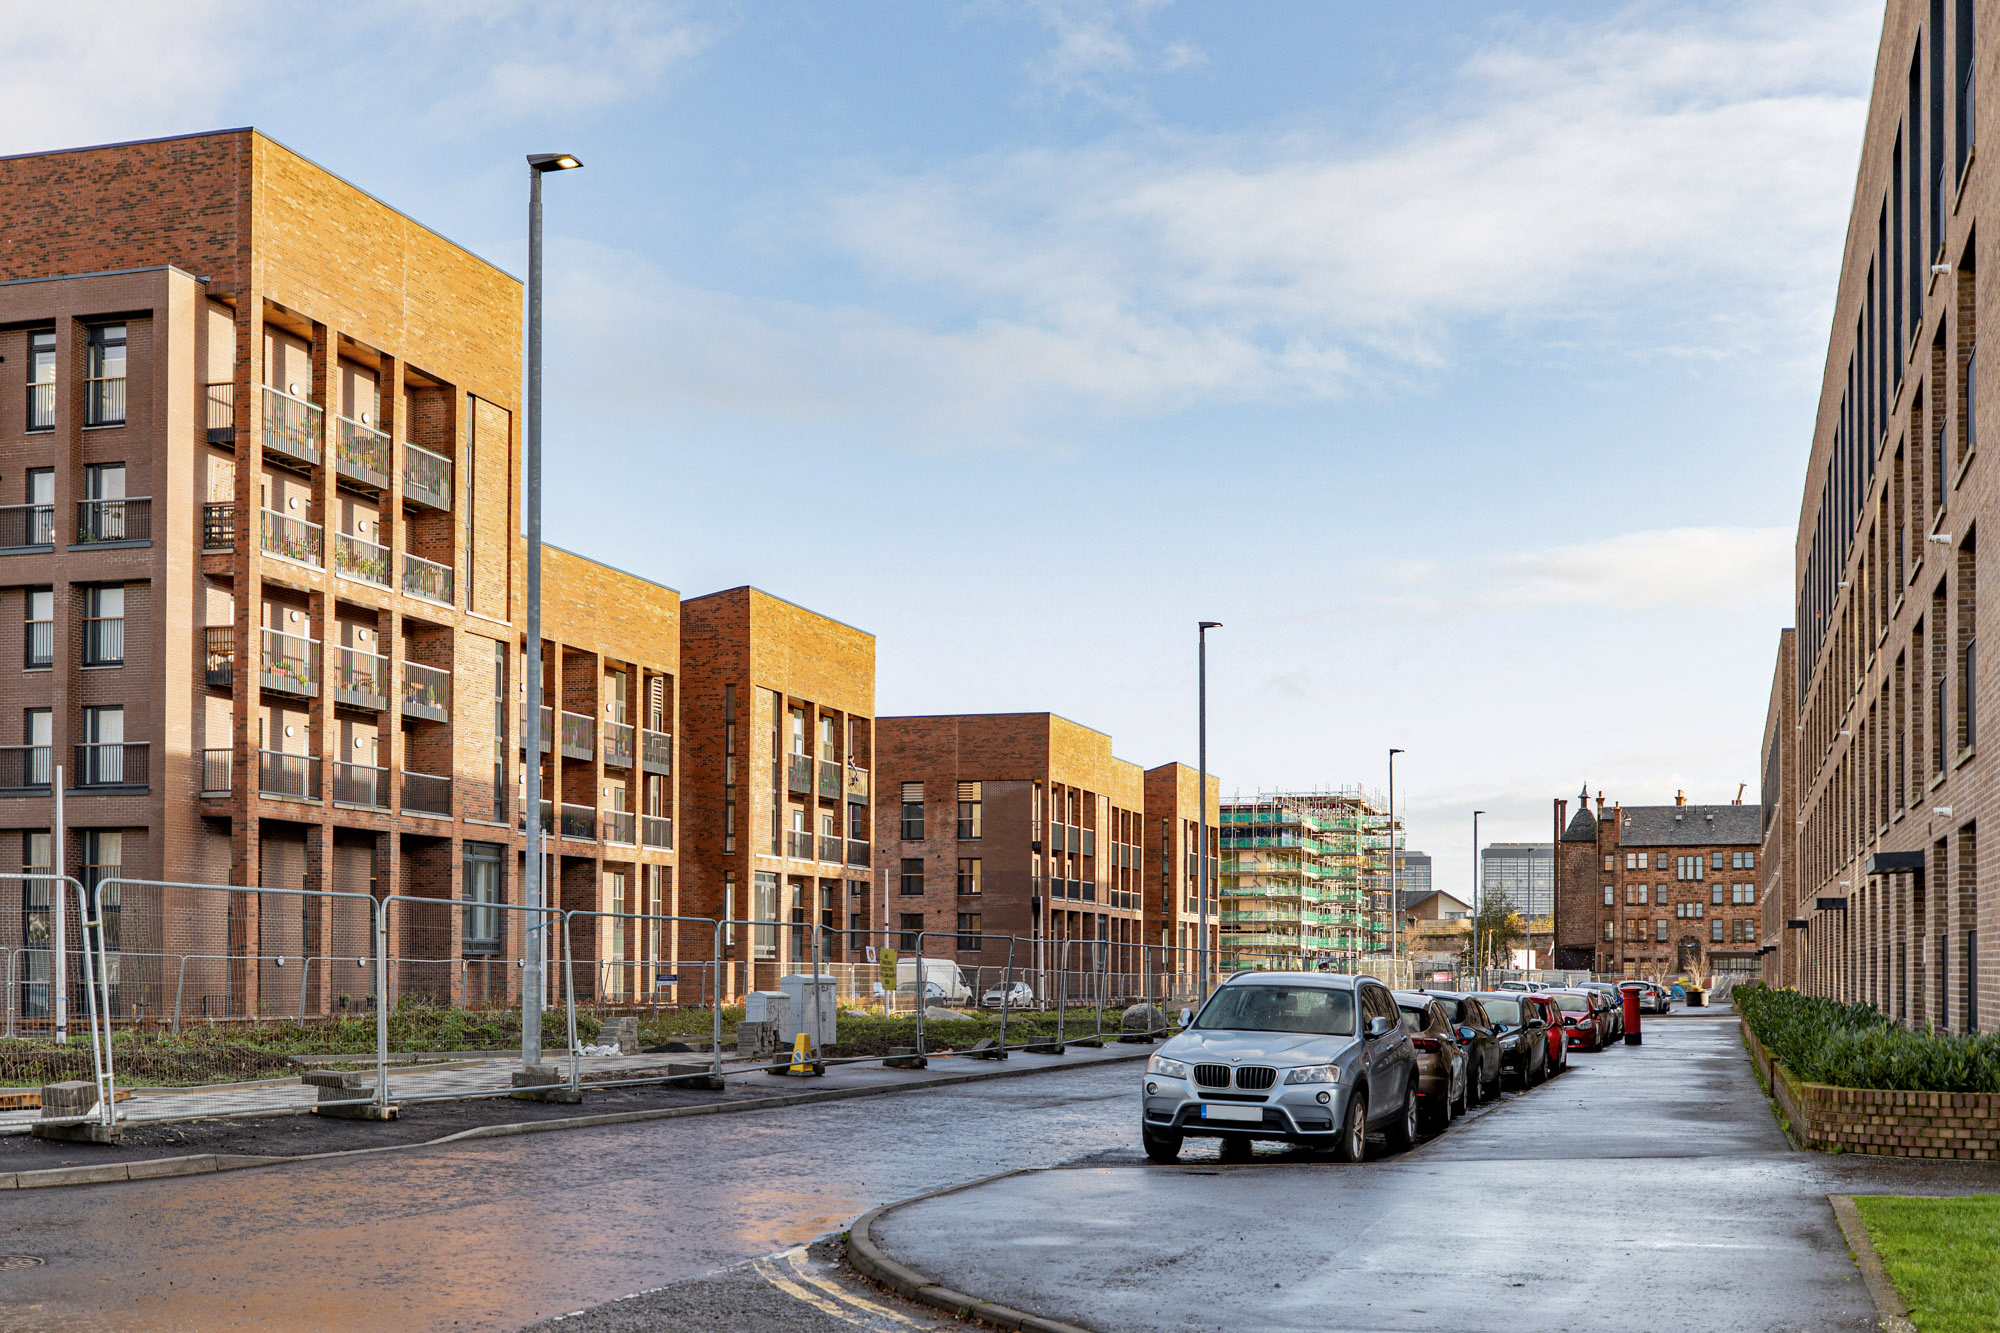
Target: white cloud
<point x="1725" y="568"/>
<point x="1098" y="50"/>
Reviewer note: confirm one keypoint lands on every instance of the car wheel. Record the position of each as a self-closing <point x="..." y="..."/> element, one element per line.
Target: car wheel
<point x="1403" y="1134"/>
<point x="1353" y="1140"/>
<point x="1161" y="1147"/>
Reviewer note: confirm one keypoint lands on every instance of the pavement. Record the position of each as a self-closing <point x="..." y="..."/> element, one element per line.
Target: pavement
<point x="1648" y="1187"/>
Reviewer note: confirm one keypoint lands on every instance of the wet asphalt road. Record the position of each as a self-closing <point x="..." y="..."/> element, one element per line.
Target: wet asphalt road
<point x="497" y="1234"/>
<point x="1646" y="1188"/>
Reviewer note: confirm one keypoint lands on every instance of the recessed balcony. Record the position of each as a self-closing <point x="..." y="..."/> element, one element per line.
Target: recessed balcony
<point x="427" y="580"/>
<point x="218" y="656"/>
<point x="215" y="772"/>
<point x="656" y="752"/>
<point x="579" y="736"/>
<point x="291" y="538"/>
<point x="222" y="414"/>
<point x="361" y="453"/>
<point x="426" y="478"/>
<point x="545" y="737"/>
<point x="359" y="559"/>
<point x="292" y="775"/>
<point x="111" y="521"/>
<point x="290" y="664"/>
<point x="27" y="527"/>
<point x="799" y="777"/>
<point x="25" y="770"/>
<point x="621" y="827"/>
<point x="427" y="794"/>
<point x="121" y="764"/>
<point x="657" y="831"/>
<point x="363" y="785"/>
<point x="360" y="678"/>
<point x="426" y="692"/>
<point x="618" y="738"/>
<point x="218" y="526"/>
<point x="579" y="822"/>
<point x="293" y="427"/>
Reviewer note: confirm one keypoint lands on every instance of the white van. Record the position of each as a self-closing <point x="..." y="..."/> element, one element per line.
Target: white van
<point x="942" y="973"/>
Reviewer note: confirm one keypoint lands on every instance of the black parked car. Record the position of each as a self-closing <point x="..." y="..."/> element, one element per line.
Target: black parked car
<point x="1482" y="1044"/>
<point x="1524" y="1037"/>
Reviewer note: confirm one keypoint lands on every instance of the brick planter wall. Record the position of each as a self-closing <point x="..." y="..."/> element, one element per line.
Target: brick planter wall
<point x="1872" y="1120"/>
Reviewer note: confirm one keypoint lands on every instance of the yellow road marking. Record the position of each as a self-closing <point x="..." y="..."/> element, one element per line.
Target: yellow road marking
<point x="798" y="1262"/>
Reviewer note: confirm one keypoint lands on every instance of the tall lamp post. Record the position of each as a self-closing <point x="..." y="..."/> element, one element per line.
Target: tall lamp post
<point x="1201" y="797"/>
<point x="539" y="165"/>
<point x="1395" y="907"/>
<point x="1478" y="959"/>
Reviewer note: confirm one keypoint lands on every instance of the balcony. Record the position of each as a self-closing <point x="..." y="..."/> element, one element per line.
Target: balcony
<point x="104" y="641"/>
<point x="104" y="401"/>
<point x="830" y="849"/>
<point x="218" y="656"/>
<point x="112" y="764"/>
<point x="360" y="453"/>
<point x="621" y="827"/>
<point x="215" y="766"/>
<point x="799" y="845"/>
<point x="27" y="527"/>
<point x="293" y="427"/>
<point x="656" y="752"/>
<point x="129" y="520"/>
<point x="548" y="819"/>
<point x="25" y="770"/>
<point x="579" y="822"/>
<point x="360" y="559"/>
<point x="579" y="736"/>
<point x="360" y="678"/>
<point x="41" y="645"/>
<point x="292" y="775"/>
<point x="293" y="539"/>
<point x="657" y="831"/>
<point x="799" y="777"/>
<point x="360" y="784"/>
<point x="222" y="414"/>
<point x="42" y="406"/>
<point x="426" y="692"/>
<point x="857" y="782"/>
<point x="857" y="851"/>
<point x="426" y="478"/>
<point x="290" y="664"/>
<point x="218" y="526"/>
<point x="829" y="779"/>
<point x="427" y="579"/>
<point x="427" y="794"/>
<point x="617" y="745"/>
<point x="545" y="737"/>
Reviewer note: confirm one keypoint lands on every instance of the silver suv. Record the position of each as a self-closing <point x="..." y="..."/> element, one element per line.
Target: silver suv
<point x="1302" y="1057"/>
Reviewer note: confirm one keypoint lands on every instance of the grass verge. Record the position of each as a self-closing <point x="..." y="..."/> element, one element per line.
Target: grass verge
<point x="1943" y="1255"/>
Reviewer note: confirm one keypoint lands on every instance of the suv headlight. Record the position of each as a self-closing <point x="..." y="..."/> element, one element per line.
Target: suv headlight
<point x="1313" y="1074"/>
<point x="1166" y="1068"/>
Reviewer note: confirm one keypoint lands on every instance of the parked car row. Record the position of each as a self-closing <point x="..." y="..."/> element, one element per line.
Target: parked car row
<point x="1323" y="1059"/>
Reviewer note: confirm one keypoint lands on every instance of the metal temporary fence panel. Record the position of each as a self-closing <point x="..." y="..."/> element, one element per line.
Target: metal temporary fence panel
<point x="599" y="973"/>
<point x="31" y="978"/>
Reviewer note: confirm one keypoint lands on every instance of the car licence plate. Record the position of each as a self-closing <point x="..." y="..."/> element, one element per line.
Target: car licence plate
<point x="1249" y="1115"/>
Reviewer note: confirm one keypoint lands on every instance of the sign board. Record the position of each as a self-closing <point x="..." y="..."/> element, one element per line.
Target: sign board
<point x="667" y="979"/>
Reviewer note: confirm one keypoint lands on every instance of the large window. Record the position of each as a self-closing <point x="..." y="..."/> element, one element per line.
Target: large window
<point x="102" y="760"/>
<point x="969" y="802"/>
<point x="42" y="380"/>
<point x="913" y="877"/>
<point x="104" y="626"/>
<point x="40" y="605"/>
<point x="968" y="875"/>
<point x="764" y="916"/>
<point x="483" y="895"/>
<point x="104" y="385"/>
<point x="1715" y="931"/>
<point x="913" y="811"/>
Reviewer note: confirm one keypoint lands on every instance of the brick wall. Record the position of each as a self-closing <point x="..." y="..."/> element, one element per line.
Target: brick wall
<point x="1880" y="1122"/>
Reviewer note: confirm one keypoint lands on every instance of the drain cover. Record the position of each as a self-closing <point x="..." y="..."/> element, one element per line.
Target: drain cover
<point x="10" y="1261"/>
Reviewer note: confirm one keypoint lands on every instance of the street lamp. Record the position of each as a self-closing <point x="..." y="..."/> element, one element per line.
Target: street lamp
<point x="1478" y="959"/>
<point x="539" y="165"/>
<point x="1395" y="907"/>
<point x="1201" y="797"/>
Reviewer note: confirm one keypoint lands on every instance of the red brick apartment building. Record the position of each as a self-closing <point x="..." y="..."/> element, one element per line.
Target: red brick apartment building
<point x="1025" y="825"/>
<point x="1884" y="843"/>
<point x="1658" y="890"/>
<point x="1779" y="892"/>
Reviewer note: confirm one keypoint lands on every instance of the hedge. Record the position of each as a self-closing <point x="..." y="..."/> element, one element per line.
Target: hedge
<point x="1856" y="1045"/>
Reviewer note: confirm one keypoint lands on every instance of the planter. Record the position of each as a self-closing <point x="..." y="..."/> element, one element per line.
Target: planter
<point x="1879" y="1121"/>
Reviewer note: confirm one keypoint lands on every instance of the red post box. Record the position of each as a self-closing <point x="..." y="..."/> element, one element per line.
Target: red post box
<point x="1631" y="995"/>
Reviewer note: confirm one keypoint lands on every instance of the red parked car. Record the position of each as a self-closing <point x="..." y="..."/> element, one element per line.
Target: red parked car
<point x="1579" y="1018"/>
<point x="1558" y="1043"/>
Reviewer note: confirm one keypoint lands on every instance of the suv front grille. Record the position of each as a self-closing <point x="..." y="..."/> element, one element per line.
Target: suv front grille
<point x="1254" y="1077"/>
<point x="1212" y="1076"/>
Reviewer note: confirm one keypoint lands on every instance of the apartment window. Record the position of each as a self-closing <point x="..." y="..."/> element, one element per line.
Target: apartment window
<point x="42" y="380"/>
<point x="969" y="804"/>
<point x="729" y="910"/>
<point x="36" y="727"/>
<point x="104" y="625"/>
<point x="1610" y="863"/>
<point x="912" y="884"/>
<point x="1632" y="860"/>
<point x="36" y="928"/>
<point x="764" y="916"/>
<point x="1715" y="895"/>
<point x="1715" y="860"/>
<point x="104" y="386"/>
<point x="104" y="859"/>
<point x="913" y="811"/>
<point x="1749" y="932"/>
<point x="1660" y="931"/>
<point x="913" y="925"/>
<point x="483" y="896"/>
<point x="1736" y="860"/>
<point x="1715" y="931"/>
<point x="1610" y="929"/>
<point x="970" y="935"/>
<point x="102" y="517"/>
<point x="102" y="760"/>
<point x="1963" y="66"/>
<point x="968" y="875"/>
<point x="500" y="655"/>
<point x="40" y="638"/>
<point x="1659" y="861"/>
<point x="1608" y="901"/>
<point x="1750" y="860"/>
<point x="39" y="527"/>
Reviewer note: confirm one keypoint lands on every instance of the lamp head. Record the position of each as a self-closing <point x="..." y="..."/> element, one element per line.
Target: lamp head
<point x="1208" y="624"/>
<point x="554" y="161"/>
<point x="1394" y="750"/>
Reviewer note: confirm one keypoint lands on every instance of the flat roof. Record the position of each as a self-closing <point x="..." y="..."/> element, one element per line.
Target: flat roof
<point x="751" y="587"/>
<point x="613" y="568"/>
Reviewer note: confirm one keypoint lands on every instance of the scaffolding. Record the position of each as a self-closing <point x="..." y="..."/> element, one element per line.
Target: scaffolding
<point x="1304" y="880"/>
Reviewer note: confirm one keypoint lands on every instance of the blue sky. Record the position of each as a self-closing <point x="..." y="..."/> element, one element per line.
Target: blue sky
<point x="1460" y="358"/>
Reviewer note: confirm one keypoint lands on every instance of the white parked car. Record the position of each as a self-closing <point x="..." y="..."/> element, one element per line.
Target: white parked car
<point x="1020" y="995"/>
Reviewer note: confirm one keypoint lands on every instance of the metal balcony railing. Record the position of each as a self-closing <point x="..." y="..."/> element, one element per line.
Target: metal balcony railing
<point x="215" y="766"/>
<point x="579" y="821"/>
<point x="829" y="779"/>
<point x="222" y="414"/>
<point x="360" y="784"/>
<point x="799" y="844"/>
<point x="579" y="736"/>
<point x="218" y="526"/>
<point x="282" y="774"/>
<point x="857" y="851"/>
<point x="42" y="406"/>
<point x="548" y="818"/>
<point x="292" y="426"/>
<point x="360" y="559"/>
<point x="290" y="664"/>
<point x="27" y="527"/>
<point x="41" y="645"/>
<point x="857" y="782"/>
<point x="429" y="794"/>
<point x="618" y="745"/>
<point x="293" y="539"/>
<point x="25" y="768"/>
<point x="360" y="453"/>
<point x="830" y="849"/>
<point x="127" y="520"/>
<point x="799" y="775"/>
<point x="547" y="735"/>
<point x="426" y="692"/>
<point x="104" y="641"/>
<point x="426" y="477"/>
<point x="657" y="831"/>
<point x="656" y="752"/>
<point x="112" y="764"/>
<point x="218" y="656"/>
<point x="427" y="579"/>
<point x="360" y="678"/>
<point x="621" y="827"/>
<point x="104" y="401"/>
